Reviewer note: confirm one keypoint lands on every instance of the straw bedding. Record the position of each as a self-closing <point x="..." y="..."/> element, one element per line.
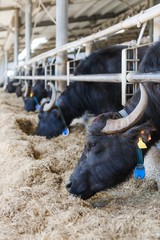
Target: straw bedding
<point x="34" y="204"/>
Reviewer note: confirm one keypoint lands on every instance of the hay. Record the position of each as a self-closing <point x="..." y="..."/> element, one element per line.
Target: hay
<point x="34" y="202"/>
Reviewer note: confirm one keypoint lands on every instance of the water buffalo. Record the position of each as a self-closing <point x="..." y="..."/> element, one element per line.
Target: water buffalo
<point x="79" y="97"/>
<point x="11" y="87"/>
<point x="38" y="92"/>
<point x="23" y="89"/>
<point x="17" y="87"/>
<point x="19" y="90"/>
<point x="111" y="151"/>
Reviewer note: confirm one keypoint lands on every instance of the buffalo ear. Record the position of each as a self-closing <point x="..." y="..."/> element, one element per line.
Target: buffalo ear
<point x="99" y="122"/>
<point x="143" y="131"/>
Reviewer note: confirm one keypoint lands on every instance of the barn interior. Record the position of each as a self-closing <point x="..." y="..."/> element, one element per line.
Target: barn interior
<point x="35" y="204"/>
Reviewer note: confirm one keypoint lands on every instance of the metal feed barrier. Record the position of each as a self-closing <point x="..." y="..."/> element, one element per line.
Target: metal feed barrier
<point x="128" y="76"/>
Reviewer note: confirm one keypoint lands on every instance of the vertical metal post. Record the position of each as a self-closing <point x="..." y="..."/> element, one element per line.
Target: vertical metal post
<point x="150" y="25"/>
<point x="5" y="68"/>
<point x="33" y="74"/>
<point x="88" y="49"/>
<point x="61" y="39"/>
<point x="156" y="25"/>
<point x="124" y="74"/>
<point x="16" y="33"/>
<point x="68" y="72"/>
<point x="2" y="67"/>
<point x="156" y="29"/>
<point x="44" y="65"/>
<point x="28" y="18"/>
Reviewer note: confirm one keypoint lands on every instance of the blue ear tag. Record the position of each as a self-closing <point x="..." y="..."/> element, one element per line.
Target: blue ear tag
<point x="65" y="132"/>
<point x="139" y="172"/>
<point x="38" y="107"/>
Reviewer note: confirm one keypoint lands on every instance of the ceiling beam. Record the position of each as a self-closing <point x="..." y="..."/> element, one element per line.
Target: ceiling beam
<point x="80" y="19"/>
<point x="7" y="8"/>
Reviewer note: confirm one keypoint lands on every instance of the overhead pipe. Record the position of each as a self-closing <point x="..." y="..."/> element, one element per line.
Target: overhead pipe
<point x="128" y="23"/>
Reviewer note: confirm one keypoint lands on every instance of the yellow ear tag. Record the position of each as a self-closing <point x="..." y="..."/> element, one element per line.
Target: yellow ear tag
<point x="141" y="144"/>
<point x="31" y="94"/>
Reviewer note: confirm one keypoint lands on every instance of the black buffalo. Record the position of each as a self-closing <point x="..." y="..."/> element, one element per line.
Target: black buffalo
<point x="19" y="90"/>
<point x="11" y="87"/>
<point x="15" y="86"/>
<point x="79" y="97"/>
<point x="37" y="93"/>
<point x="23" y="89"/>
<point x="110" y="152"/>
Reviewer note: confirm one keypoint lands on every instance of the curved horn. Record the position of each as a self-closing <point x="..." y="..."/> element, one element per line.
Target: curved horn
<point x="121" y="124"/>
<point x="25" y="89"/>
<point x="48" y="106"/>
<point x="17" y="83"/>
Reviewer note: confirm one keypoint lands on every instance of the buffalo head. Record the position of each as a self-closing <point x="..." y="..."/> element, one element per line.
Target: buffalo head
<point x="51" y="122"/>
<point x="32" y="97"/>
<point x="109" y="154"/>
<point x="29" y="104"/>
<point x="106" y="160"/>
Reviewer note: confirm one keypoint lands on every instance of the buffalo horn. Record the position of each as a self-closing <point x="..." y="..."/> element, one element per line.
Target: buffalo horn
<point x="121" y="124"/>
<point x="48" y="106"/>
<point x="17" y="83"/>
<point x="25" y="89"/>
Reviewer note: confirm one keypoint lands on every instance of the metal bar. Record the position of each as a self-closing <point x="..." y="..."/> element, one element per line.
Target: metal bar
<point x="86" y="78"/>
<point x="28" y="29"/>
<point x="124" y="74"/>
<point x="143" y="77"/>
<point x="156" y="29"/>
<point x="141" y="33"/>
<point x="5" y="68"/>
<point x="16" y="33"/>
<point x="88" y="49"/>
<point x="128" y="23"/>
<point x="68" y="73"/>
<point x="132" y="77"/>
<point x="61" y="39"/>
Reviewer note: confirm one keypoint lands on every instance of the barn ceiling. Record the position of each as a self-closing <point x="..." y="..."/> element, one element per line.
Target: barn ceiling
<point x="85" y="17"/>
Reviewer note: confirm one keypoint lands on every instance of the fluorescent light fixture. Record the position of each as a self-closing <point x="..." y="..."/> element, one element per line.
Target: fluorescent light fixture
<point x="35" y="43"/>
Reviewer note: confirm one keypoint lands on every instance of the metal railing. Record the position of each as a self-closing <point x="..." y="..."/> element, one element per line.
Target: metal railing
<point x="136" y="20"/>
<point x="125" y="77"/>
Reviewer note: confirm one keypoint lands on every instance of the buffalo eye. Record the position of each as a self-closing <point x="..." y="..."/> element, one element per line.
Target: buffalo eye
<point x="90" y="146"/>
<point x="56" y="113"/>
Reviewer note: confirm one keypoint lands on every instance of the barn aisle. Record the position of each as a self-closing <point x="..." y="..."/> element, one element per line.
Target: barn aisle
<point x="34" y="204"/>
